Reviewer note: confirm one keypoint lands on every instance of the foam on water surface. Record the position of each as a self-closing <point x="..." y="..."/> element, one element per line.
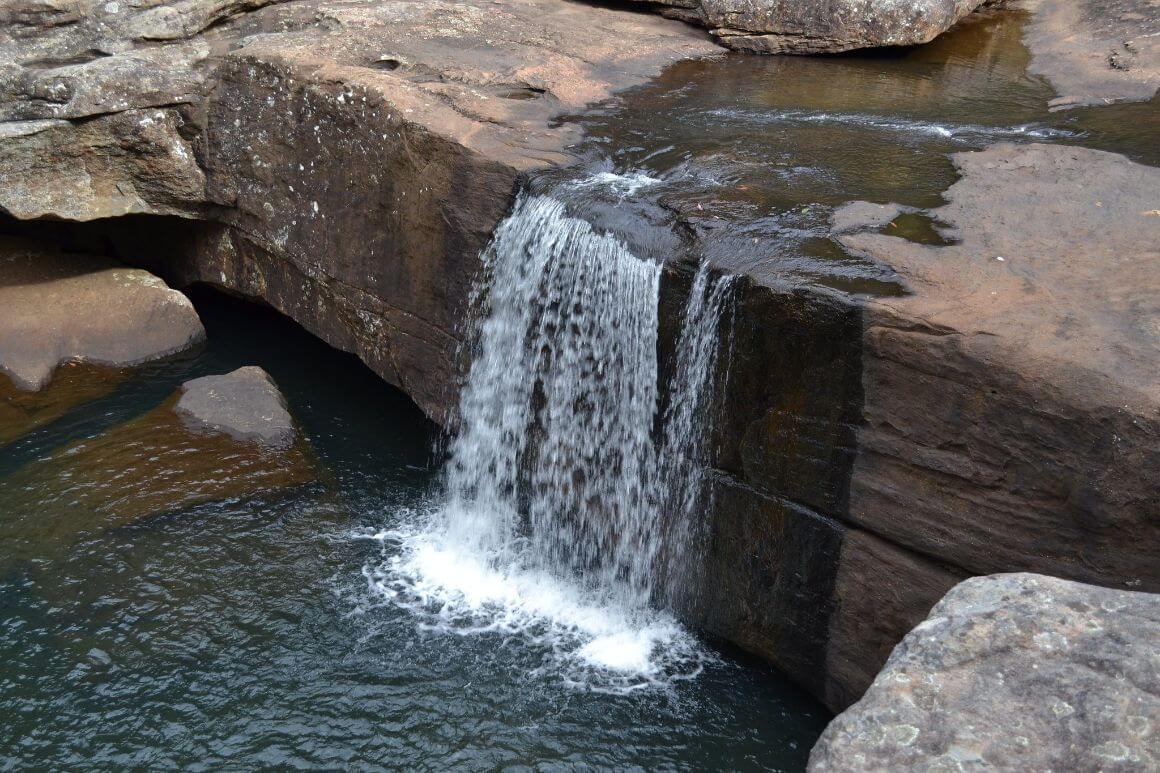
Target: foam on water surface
<point x="566" y="516"/>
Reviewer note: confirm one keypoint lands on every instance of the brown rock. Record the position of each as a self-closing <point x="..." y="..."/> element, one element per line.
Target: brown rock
<point x="56" y="307"/>
<point x="1096" y="51"/>
<point x="243" y="404"/>
<point x="1011" y="407"/>
<point x="806" y="27"/>
<point x="150" y="465"/>
<point x="73" y="384"/>
<point x="350" y="159"/>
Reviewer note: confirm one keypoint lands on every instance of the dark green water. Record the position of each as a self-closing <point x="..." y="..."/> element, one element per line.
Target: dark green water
<point x="243" y="635"/>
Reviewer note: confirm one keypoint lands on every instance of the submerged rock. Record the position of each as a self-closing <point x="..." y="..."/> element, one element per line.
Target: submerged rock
<point x="1012" y="671"/>
<point x="232" y="439"/>
<point x="810" y="27"/>
<point x="55" y="308"/>
<point x="244" y="404"/>
<point x="1096" y="51"/>
<point x="74" y="384"/>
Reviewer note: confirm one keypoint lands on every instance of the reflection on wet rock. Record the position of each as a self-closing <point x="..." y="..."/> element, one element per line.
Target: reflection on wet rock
<point x="150" y="465"/>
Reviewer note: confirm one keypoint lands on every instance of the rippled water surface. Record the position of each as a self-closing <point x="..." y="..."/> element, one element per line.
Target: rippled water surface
<point x="251" y="633"/>
<point x="753" y="154"/>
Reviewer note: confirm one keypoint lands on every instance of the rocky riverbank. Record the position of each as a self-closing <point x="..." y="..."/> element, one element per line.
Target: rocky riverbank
<point x="346" y="162"/>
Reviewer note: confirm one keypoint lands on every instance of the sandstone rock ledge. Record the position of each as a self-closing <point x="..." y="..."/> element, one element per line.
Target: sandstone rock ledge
<point x="1009" y="406"/>
<point x="1096" y="52"/>
<point x="343" y="160"/>
<point x="1012" y="672"/>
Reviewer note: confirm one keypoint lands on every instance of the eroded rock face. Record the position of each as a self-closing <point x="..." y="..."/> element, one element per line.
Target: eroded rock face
<point x="56" y="307"/>
<point x="348" y="159"/>
<point x="243" y="404"/>
<point x="1006" y="411"/>
<point x="1011" y="407"/>
<point x="806" y="27"/>
<point x="1012" y="671"/>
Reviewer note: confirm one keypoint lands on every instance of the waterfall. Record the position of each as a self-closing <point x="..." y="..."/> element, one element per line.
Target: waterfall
<point x="569" y="494"/>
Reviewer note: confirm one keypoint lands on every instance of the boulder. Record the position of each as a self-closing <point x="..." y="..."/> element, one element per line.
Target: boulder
<point x="1012" y="672"/>
<point x="57" y="307"/>
<point x="1096" y="52"/>
<point x="244" y="404"/>
<point x="809" y="27"/>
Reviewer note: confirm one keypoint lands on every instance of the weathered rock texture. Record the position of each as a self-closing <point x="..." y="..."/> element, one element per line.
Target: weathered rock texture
<point x="243" y="404"/>
<point x="348" y="158"/>
<point x="809" y="27"/>
<point x="1096" y="51"/>
<point x="1012" y="672"/>
<point x="1004" y="415"/>
<point x="56" y="307"/>
<point x="1009" y="407"/>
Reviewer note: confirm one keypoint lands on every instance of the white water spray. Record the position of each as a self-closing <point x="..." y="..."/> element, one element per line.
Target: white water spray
<point x="569" y="504"/>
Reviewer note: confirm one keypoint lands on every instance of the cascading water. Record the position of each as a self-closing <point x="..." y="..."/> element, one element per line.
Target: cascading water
<point x="569" y="505"/>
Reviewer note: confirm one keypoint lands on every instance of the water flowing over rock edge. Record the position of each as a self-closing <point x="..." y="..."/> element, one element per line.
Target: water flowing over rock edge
<point x="570" y="505"/>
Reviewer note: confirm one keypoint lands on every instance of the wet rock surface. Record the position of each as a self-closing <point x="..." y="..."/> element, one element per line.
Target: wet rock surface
<point x="1096" y="51"/>
<point x="57" y="307"/>
<point x="244" y="404"/>
<point x="152" y="465"/>
<point x="803" y="27"/>
<point x="350" y="158"/>
<point x="1012" y="671"/>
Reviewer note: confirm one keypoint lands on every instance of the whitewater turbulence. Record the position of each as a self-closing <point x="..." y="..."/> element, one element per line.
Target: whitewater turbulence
<point x="570" y="489"/>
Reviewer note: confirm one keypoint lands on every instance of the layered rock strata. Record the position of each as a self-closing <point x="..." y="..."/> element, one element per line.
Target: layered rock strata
<point x="349" y="158"/>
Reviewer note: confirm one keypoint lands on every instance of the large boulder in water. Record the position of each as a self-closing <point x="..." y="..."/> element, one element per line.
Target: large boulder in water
<point x="244" y="404"/>
<point x="809" y="27"/>
<point x="56" y="307"/>
<point x="217" y="438"/>
<point x="69" y="326"/>
<point x="1012" y="672"/>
